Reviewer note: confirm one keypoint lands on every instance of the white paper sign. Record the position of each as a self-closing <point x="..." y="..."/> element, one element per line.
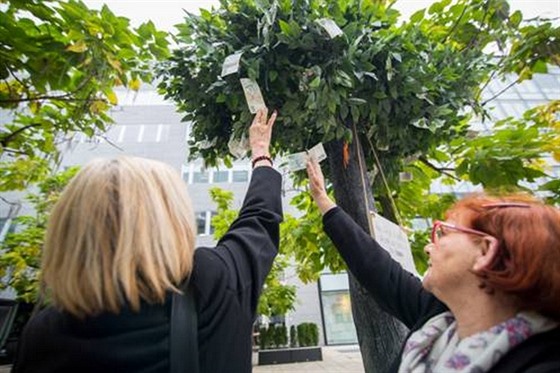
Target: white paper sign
<point x="392" y="238"/>
<point x="330" y="27"/>
<point x="231" y="64"/>
<point x="253" y="95"/>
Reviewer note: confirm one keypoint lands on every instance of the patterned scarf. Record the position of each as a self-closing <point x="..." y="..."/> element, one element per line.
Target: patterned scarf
<point x="436" y="346"/>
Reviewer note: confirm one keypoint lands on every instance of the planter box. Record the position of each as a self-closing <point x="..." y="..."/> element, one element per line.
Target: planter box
<point x="290" y="355"/>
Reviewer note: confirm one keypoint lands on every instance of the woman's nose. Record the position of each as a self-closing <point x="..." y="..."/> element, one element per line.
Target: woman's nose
<point x="428" y="248"/>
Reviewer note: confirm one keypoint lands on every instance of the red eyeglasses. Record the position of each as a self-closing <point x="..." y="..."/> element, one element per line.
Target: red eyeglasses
<point x="439" y="226"/>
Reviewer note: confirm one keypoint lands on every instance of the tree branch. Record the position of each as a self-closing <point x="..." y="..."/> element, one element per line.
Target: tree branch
<point x="455" y="25"/>
<point x="500" y="93"/>
<point x="50" y="97"/>
<point x="4" y="141"/>
<point x="442" y="171"/>
<point x="9" y="202"/>
<point x="47" y="97"/>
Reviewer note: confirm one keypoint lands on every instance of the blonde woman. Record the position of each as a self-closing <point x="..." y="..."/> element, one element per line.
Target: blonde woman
<point x="121" y="240"/>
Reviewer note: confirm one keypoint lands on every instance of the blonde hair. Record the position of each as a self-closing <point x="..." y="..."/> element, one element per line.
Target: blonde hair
<point x="122" y="231"/>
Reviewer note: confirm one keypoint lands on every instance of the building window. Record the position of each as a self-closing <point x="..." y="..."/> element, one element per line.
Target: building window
<point x="186" y="176"/>
<point x="150" y="133"/>
<point x="220" y="176"/>
<point x="201" y="222"/>
<point x="211" y="228"/>
<point x="131" y="134"/>
<point x="204" y="222"/>
<point x="6" y="227"/>
<point x="201" y="177"/>
<point x="336" y="309"/>
<point x="240" y="176"/>
<point x="337" y="313"/>
<point x="163" y="133"/>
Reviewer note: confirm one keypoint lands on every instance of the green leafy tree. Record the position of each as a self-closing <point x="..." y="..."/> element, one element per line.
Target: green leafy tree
<point x="20" y="252"/>
<point x="514" y="157"/>
<point x="376" y="95"/>
<point x="277" y="298"/>
<point x="59" y="65"/>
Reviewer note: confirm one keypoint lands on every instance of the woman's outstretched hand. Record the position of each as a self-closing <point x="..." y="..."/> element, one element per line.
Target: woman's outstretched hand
<point x="317" y="186"/>
<point x="260" y="134"/>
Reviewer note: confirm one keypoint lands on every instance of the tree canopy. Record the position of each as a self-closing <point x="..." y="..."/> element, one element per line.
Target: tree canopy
<point x="59" y="65"/>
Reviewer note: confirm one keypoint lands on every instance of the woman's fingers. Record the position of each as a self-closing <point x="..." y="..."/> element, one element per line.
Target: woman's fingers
<point x="260" y="117"/>
<point x="272" y="118"/>
<point x="315" y="175"/>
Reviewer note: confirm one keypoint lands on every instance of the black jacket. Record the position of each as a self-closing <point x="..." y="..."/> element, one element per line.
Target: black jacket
<point x="401" y="294"/>
<point x="226" y="280"/>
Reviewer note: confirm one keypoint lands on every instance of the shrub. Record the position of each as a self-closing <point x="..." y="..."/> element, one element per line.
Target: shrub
<point x="263" y="338"/>
<point x="281" y="335"/>
<point x="307" y="334"/>
<point x="293" y="336"/>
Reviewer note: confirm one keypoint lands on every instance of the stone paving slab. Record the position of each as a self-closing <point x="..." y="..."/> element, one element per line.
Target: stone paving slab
<point x="336" y="359"/>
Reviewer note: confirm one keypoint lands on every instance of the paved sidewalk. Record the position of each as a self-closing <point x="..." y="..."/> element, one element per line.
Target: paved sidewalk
<point x="336" y="359"/>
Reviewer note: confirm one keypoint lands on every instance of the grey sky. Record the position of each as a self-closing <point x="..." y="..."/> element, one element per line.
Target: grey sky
<point x="166" y="13"/>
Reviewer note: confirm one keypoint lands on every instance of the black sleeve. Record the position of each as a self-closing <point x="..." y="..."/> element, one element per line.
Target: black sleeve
<point x="397" y="291"/>
<point x="251" y="243"/>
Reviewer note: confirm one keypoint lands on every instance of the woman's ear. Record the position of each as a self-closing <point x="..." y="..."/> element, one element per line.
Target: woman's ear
<point x="488" y="253"/>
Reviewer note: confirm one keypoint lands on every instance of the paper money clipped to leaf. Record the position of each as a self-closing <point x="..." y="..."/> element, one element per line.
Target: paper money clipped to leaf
<point x="330" y="27"/>
<point x="231" y="64"/>
<point x="298" y="161"/>
<point x="253" y="95"/>
<point x="238" y="146"/>
<point x="318" y="152"/>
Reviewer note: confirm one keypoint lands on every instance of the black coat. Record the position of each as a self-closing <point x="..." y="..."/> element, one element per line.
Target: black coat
<point x="226" y="280"/>
<point x="401" y="294"/>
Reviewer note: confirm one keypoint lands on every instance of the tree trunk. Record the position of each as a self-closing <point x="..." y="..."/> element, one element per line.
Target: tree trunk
<point x="380" y="335"/>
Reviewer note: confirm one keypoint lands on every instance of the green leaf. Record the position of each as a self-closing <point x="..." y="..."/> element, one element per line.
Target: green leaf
<point x="417" y="16"/>
<point x="516" y="18"/>
<point x="539" y="67"/>
<point x="284" y="27"/>
<point x="357" y="101"/>
<point x="315" y="82"/>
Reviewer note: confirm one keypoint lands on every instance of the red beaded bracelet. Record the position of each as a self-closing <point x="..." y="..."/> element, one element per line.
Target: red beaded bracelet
<point x="260" y="158"/>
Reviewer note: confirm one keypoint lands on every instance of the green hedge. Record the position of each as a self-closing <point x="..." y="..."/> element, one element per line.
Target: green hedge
<point x="276" y="336"/>
<point x="307" y="334"/>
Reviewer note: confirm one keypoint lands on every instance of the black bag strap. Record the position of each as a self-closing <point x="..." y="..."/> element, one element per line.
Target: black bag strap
<point x="183" y="332"/>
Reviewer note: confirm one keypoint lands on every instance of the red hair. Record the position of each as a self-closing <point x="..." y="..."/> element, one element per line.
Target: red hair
<point x="528" y="261"/>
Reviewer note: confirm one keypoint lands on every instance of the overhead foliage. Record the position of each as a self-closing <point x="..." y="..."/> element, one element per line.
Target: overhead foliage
<point x="59" y="64"/>
<point x="404" y="86"/>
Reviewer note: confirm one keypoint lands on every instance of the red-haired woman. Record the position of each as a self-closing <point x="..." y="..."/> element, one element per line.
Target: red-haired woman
<point x="490" y="300"/>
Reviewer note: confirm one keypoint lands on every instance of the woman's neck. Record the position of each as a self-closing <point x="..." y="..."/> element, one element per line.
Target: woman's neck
<point x="481" y="312"/>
